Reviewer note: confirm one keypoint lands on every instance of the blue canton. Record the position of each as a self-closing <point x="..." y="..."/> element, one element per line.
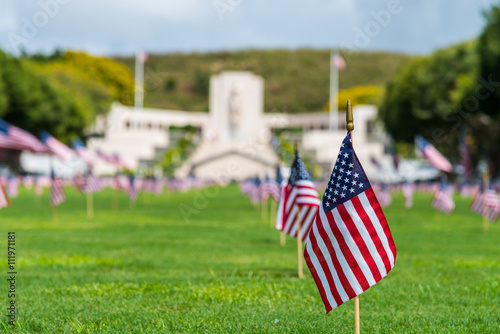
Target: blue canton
<point x="348" y="179"/>
<point x="298" y="171"/>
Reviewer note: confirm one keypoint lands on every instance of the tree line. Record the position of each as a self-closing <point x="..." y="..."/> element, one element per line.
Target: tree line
<point x="61" y="93"/>
<point x="451" y="97"/>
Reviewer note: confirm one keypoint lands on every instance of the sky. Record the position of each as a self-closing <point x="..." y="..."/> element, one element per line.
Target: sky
<point x="124" y="27"/>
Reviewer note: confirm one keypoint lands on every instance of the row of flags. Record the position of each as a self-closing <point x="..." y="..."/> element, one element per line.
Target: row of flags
<point x="90" y="183"/>
<point x="14" y="138"/>
<point x="349" y="246"/>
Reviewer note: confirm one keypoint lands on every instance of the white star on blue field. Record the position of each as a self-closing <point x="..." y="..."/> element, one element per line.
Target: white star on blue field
<point x="347" y="180"/>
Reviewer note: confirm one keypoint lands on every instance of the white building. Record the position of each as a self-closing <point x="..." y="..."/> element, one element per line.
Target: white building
<point x="236" y="134"/>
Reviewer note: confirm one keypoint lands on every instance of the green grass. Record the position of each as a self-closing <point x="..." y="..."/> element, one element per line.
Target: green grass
<point x="149" y="270"/>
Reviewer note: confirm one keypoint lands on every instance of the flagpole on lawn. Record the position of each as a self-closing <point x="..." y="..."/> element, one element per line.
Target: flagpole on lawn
<point x="486" y="176"/>
<point x="272" y="209"/>
<point x="90" y="205"/>
<point x="334" y="91"/>
<point x="349" y="121"/>
<point x="299" y="234"/>
<point x="52" y="179"/>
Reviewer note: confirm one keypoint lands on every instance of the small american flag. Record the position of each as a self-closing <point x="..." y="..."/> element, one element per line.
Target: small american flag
<point x="12" y="137"/>
<point x="443" y="200"/>
<point x="4" y="201"/>
<point x="338" y="61"/>
<point x="55" y="146"/>
<point x="299" y="193"/>
<point x="94" y="183"/>
<point x="425" y="150"/>
<point x="384" y="197"/>
<point x="488" y="206"/>
<point x="408" y="190"/>
<point x="82" y="152"/>
<point x="270" y="187"/>
<point x="13" y="186"/>
<point x="134" y="189"/>
<point x="350" y="245"/>
<point x="142" y="56"/>
<point x="106" y="157"/>
<point x="57" y="195"/>
<point x="122" y="182"/>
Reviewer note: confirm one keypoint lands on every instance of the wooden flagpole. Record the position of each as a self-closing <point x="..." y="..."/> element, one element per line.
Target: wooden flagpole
<point x="54" y="215"/>
<point x="486" y="176"/>
<point x="263" y="209"/>
<point x="299" y="234"/>
<point x="349" y="125"/>
<point x="272" y="209"/>
<point x="299" y="243"/>
<point x="90" y="205"/>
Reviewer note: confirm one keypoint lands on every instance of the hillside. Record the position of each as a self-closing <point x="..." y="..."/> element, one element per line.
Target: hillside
<point x="295" y="80"/>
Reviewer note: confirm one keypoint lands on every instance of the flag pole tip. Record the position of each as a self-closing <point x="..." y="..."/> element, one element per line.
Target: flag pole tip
<point x="349" y="121"/>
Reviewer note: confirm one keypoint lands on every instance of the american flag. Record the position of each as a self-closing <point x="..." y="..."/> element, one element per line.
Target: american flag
<point x="4" y="201"/>
<point x="384" y="197"/>
<point x="299" y="193"/>
<point x="82" y="152"/>
<point x="134" y="189"/>
<point x="425" y="150"/>
<point x="121" y="163"/>
<point x="55" y="146"/>
<point x="57" y="195"/>
<point x="106" y="157"/>
<point x="270" y="187"/>
<point x="408" y="190"/>
<point x="350" y="245"/>
<point x="80" y="182"/>
<point x="254" y="191"/>
<point x="93" y="184"/>
<point x="12" y="137"/>
<point x="488" y="206"/>
<point x="122" y="182"/>
<point x="338" y="61"/>
<point x="443" y="200"/>
<point x="13" y="186"/>
<point x="28" y="181"/>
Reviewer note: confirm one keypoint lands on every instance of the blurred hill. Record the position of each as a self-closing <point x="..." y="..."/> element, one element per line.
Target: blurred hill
<point x="295" y="80"/>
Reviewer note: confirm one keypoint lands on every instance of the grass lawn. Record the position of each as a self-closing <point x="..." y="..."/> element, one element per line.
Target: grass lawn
<point x="191" y="263"/>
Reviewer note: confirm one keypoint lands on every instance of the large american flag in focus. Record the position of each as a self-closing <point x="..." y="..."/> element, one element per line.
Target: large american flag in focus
<point x="299" y="193"/>
<point x="350" y="245"/>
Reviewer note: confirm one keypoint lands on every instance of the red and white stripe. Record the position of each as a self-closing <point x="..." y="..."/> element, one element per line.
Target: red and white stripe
<point x="18" y="139"/>
<point x="436" y="159"/>
<point x="59" y="149"/>
<point x="350" y="249"/>
<point x="57" y="195"/>
<point x="443" y="201"/>
<point x="303" y="196"/>
<point x="491" y="205"/>
<point x="488" y="206"/>
<point x="4" y="200"/>
<point x="270" y="187"/>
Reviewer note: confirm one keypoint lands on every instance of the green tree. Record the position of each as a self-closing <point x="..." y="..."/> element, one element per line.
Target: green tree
<point x="426" y="95"/>
<point x="486" y="129"/>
